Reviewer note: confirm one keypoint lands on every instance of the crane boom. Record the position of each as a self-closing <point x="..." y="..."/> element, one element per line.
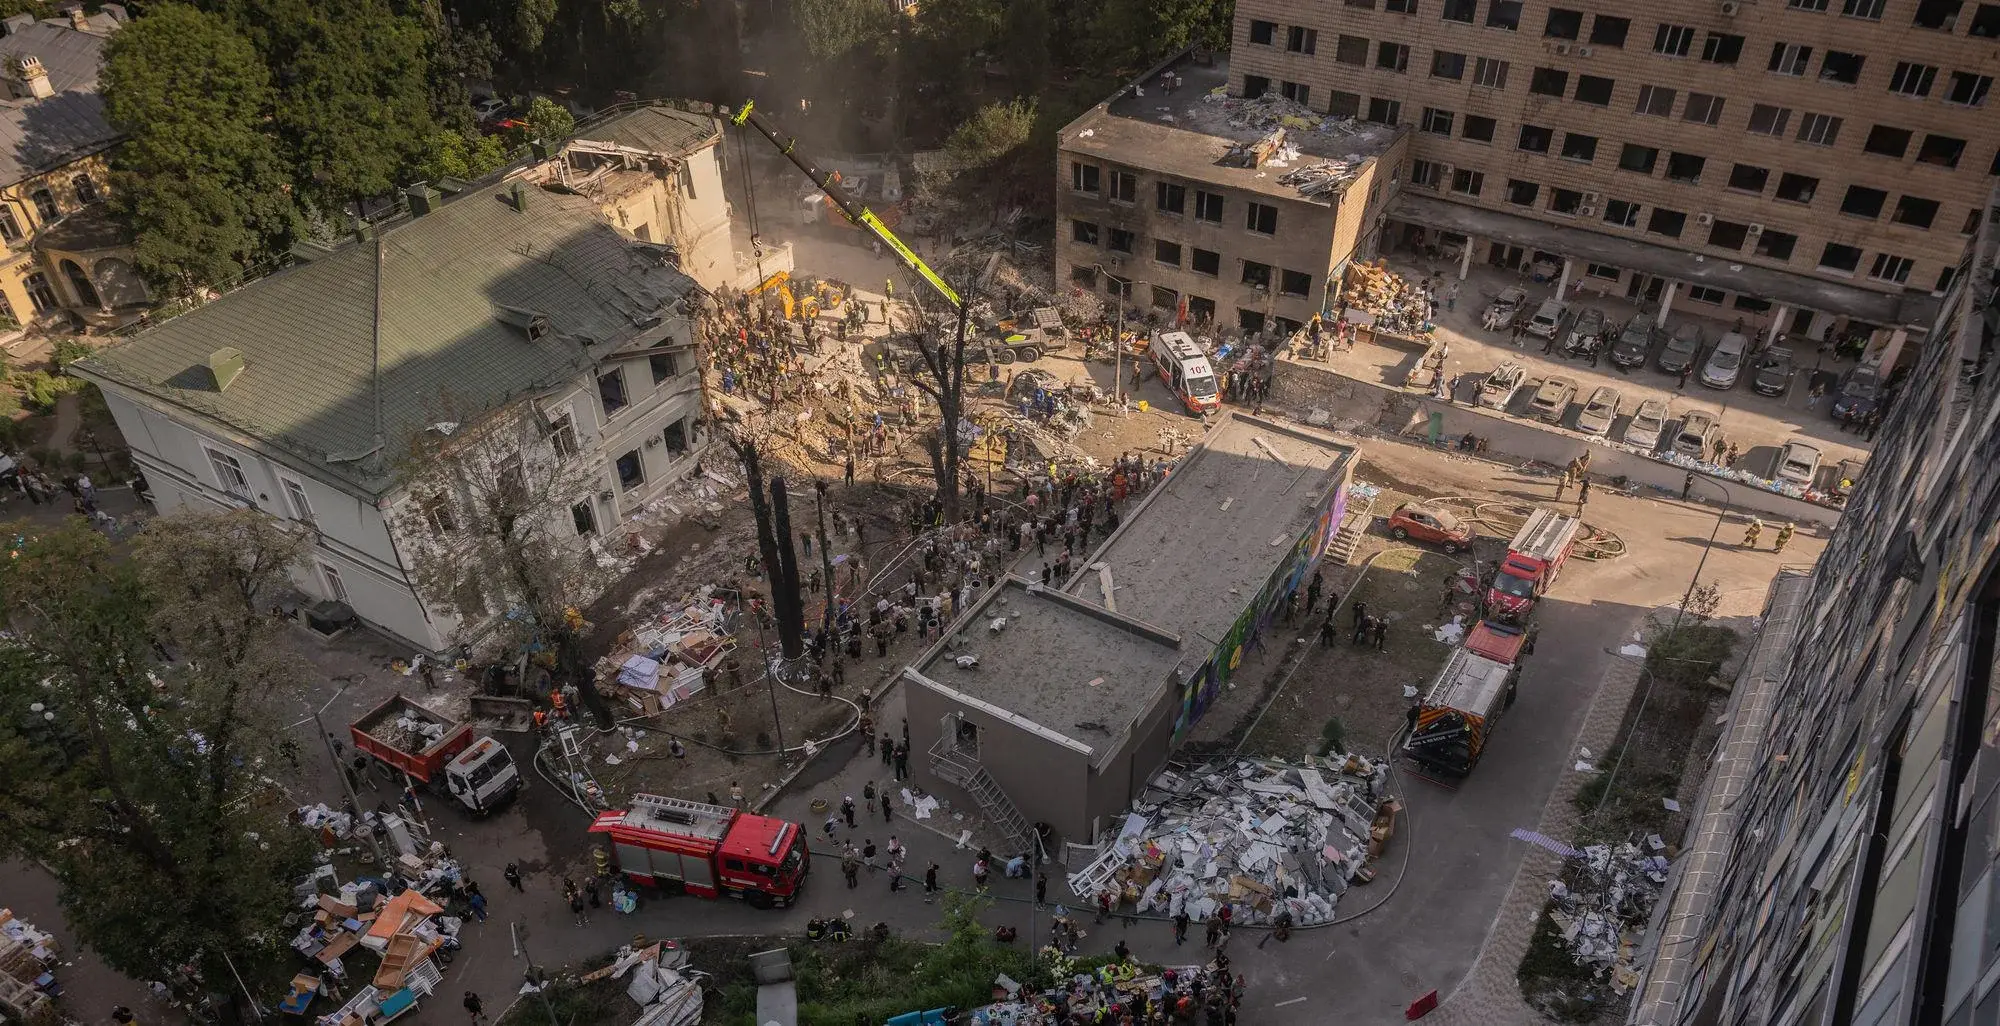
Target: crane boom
<point x="851" y="208"/>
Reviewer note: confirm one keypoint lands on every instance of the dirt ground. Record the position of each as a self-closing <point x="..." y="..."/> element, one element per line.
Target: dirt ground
<point x="1361" y="687"/>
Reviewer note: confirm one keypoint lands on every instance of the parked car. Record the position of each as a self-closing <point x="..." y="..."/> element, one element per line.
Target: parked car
<point x="1500" y="384"/>
<point x="1680" y="351"/>
<point x="1429" y="523"/>
<point x="1589" y="324"/>
<point x="1500" y="313"/>
<point x="1696" y="434"/>
<point x="486" y="108"/>
<point x="1775" y="368"/>
<point x="1596" y="416"/>
<point x="1548" y="317"/>
<point x="1552" y="399"/>
<point x="1798" y="462"/>
<point x="1647" y="421"/>
<point x="1725" y="361"/>
<point x="1860" y="391"/>
<point x="1635" y="343"/>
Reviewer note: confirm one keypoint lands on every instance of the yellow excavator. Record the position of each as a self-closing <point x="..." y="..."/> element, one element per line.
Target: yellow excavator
<point x="853" y="209"/>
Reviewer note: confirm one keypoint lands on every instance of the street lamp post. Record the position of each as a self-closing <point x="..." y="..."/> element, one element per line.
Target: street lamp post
<point x="1118" y="332"/>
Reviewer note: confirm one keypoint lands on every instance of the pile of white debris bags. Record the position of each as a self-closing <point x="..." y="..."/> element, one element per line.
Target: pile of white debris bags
<point x="1264" y="837"/>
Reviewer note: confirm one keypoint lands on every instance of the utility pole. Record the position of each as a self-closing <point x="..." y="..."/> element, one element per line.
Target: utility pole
<point x="531" y="975"/>
<point x="347" y="782"/>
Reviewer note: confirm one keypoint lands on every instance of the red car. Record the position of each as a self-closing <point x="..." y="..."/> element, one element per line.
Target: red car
<point x="1431" y="524"/>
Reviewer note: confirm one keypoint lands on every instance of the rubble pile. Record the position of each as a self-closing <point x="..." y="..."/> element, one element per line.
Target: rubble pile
<point x="1323" y="178"/>
<point x="1394" y="303"/>
<point x="666" y="989"/>
<point x="1602" y="905"/>
<point x="28" y="959"/>
<point x="1264" y="837"/>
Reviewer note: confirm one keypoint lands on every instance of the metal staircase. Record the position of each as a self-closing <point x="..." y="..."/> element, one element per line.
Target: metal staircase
<point x="963" y="771"/>
<point x="1352" y="526"/>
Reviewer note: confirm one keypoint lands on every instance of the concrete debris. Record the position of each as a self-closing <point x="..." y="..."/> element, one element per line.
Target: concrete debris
<point x="1602" y="904"/>
<point x="1264" y="837"/>
<point x="1322" y="179"/>
<point x="666" y="990"/>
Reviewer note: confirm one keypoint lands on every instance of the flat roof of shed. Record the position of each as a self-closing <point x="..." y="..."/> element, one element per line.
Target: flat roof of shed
<point x="1196" y="551"/>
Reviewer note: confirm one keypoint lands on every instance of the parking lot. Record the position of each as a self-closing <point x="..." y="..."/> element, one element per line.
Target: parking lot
<point x="1758" y="425"/>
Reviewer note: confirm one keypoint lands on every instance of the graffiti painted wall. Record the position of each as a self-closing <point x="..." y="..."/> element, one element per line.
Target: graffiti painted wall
<point x="1204" y="684"/>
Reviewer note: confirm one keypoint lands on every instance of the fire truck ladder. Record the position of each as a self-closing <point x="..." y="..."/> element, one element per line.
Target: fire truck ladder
<point x="956" y="767"/>
<point x="678" y="810"/>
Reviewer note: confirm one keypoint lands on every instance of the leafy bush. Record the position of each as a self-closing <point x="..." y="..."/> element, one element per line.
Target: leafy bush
<point x="70" y="350"/>
<point x="992" y="132"/>
<point x="40" y="389"/>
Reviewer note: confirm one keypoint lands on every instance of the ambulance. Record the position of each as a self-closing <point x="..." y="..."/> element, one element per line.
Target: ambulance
<point x="1185" y="370"/>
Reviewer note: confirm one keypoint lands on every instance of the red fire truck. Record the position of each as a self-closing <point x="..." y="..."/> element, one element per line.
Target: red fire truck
<point x="1534" y="558"/>
<point x="1475" y="687"/>
<point x="707" y="850"/>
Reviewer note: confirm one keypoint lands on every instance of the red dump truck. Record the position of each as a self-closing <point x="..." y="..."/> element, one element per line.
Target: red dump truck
<point x="1536" y="555"/>
<point x="1457" y="716"/>
<point x="438" y="754"/>
<point x="707" y="850"/>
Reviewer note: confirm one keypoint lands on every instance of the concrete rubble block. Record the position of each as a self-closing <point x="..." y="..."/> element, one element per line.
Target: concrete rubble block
<point x="1265" y="837"/>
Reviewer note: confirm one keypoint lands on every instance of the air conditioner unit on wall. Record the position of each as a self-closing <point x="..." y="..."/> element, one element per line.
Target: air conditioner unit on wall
<point x="1593" y="197"/>
<point x="1756" y="229"/>
<point x="1587" y="210"/>
<point x="1562" y="49"/>
<point x="1583" y="51"/>
<point x="1704" y="219"/>
<point x="1730" y="7"/>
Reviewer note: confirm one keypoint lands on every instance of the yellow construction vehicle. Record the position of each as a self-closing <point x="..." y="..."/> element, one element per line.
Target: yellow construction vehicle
<point x="854" y="210"/>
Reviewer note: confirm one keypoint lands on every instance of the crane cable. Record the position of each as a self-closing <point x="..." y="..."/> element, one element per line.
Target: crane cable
<point x="750" y="205"/>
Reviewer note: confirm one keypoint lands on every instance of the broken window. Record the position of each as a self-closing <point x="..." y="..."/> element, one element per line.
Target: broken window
<point x="1748" y="178"/>
<point x="1295" y="283"/>
<point x="1262" y="218"/>
<point x="611" y="390"/>
<point x="1208" y="206"/>
<point x="1170" y="198"/>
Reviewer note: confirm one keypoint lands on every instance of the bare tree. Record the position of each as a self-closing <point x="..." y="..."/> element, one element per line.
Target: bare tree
<point x="943" y="379"/>
<point x="490" y="508"/>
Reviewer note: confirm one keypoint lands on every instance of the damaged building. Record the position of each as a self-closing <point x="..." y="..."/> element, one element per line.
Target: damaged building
<point x="1176" y="196"/>
<point x="1057" y="705"/>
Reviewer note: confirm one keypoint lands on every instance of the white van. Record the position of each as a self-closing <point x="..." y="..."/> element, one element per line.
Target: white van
<point x="1185" y="370"/>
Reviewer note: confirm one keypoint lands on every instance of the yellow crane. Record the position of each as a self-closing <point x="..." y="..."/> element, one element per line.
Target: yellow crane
<point x="854" y="210"/>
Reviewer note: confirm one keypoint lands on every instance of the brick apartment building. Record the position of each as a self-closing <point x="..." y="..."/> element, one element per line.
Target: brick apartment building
<point x="1788" y="161"/>
<point x="1157" y="204"/>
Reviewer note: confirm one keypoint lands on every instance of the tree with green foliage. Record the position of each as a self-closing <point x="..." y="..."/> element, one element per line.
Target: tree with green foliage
<point x="832" y="29"/>
<point x="140" y="782"/>
<point x="996" y="130"/>
<point x="198" y="179"/>
<point x="460" y="155"/>
<point x="353" y="113"/>
<point x="548" y="121"/>
<point x="1128" y="34"/>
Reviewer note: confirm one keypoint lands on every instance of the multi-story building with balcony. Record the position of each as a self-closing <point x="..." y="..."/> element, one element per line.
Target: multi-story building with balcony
<point x="1799" y="163"/>
<point x="1843" y="865"/>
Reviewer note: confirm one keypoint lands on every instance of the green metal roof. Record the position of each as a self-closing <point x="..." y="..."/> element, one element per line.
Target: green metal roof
<point x="459" y="289"/>
<point x="655" y="129"/>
